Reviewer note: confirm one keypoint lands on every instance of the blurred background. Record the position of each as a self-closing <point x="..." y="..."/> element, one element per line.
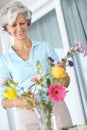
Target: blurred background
<point x="59" y="22"/>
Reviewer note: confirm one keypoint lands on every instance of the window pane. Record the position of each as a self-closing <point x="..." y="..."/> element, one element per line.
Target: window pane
<point x="46" y="29"/>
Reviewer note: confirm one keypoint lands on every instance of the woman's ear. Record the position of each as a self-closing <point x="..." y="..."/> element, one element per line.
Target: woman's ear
<point x="7" y="29"/>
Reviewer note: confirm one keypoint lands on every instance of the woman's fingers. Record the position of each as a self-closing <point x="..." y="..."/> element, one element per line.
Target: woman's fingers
<point x="27" y="103"/>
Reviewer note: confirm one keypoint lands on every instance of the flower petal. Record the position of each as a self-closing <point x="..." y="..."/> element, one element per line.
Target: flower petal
<point x="56" y="92"/>
<point x="58" y="72"/>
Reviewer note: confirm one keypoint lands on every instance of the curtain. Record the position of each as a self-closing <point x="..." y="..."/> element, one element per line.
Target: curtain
<point x="46" y="29"/>
<point x="5" y="42"/>
<point x="76" y="23"/>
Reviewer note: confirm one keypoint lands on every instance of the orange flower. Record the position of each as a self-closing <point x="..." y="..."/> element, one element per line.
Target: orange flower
<point x="35" y="79"/>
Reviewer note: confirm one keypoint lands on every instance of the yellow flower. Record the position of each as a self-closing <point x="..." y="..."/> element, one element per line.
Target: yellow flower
<point x="58" y="72"/>
<point x="10" y="93"/>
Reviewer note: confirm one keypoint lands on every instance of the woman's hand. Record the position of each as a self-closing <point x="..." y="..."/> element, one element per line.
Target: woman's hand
<point x="21" y="102"/>
<point x="67" y="78"/>
<point x="24" y="102"/>
<point x="67" y="81"/>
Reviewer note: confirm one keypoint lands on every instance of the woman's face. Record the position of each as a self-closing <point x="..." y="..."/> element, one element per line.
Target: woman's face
<point x="19" y="29"/>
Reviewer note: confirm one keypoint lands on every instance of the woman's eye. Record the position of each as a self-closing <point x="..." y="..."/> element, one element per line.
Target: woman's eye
<point x="13" y="25"/>
<point x="22" y="23"/>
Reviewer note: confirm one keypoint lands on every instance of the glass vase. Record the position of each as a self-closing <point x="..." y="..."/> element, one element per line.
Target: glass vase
<point x="46" y="118"/>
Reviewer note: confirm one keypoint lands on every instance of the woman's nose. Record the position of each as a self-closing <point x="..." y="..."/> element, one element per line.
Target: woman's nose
<point x="19" y="27"/>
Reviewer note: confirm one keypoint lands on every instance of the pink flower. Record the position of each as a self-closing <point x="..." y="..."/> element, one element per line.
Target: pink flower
<point x="3" y="82"/>
<point x="56" y="92"/>
<point x="80" y="48"/>
<point x="85" y="51"/>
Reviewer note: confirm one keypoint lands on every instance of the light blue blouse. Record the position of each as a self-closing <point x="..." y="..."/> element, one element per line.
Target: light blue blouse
<point x="14" y="67"/>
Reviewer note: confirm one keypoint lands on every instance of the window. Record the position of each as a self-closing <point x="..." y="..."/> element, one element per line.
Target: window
<point x="46" y="29"/>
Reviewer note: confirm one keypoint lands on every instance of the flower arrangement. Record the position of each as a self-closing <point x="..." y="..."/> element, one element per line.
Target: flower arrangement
<point x="50" y="88"/>
<point x="49" y="91"/>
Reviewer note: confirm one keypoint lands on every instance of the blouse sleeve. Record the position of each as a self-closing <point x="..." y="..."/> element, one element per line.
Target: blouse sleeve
<point x="51" y="52"/>
<point x="4" y="73"/>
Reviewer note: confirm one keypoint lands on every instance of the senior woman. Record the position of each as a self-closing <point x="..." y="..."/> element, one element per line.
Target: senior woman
<point x="19" y="63"/>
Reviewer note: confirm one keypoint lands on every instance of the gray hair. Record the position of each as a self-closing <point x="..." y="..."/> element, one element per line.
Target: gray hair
<point x="11" y="11"/>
